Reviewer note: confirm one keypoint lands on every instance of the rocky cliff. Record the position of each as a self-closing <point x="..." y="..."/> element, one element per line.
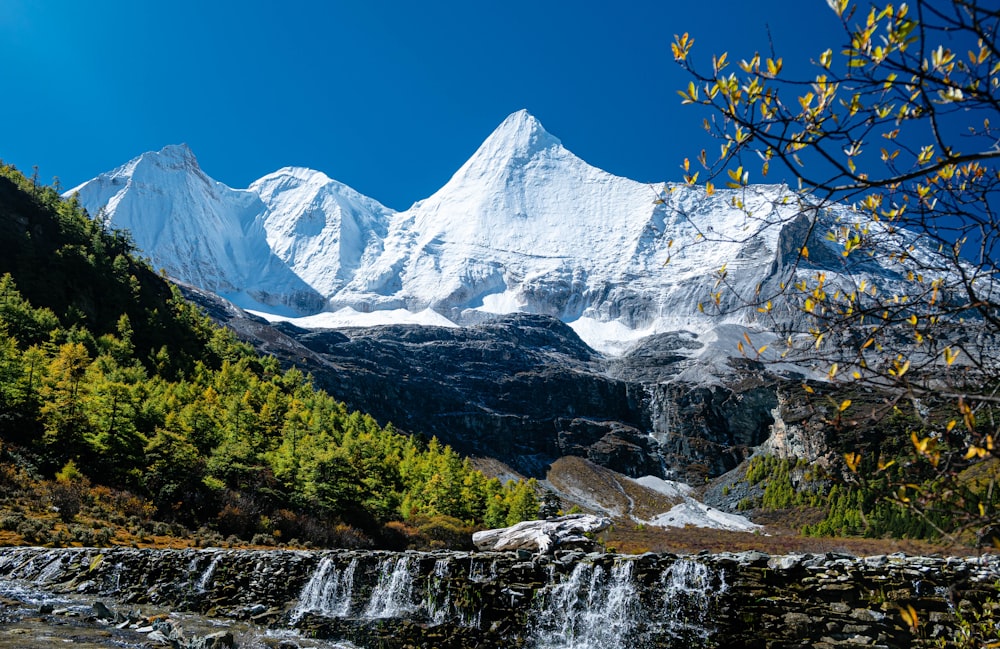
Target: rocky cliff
<point x="526" y="390"/>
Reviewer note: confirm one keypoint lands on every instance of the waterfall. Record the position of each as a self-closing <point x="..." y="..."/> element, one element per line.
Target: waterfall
<point x="50" y="571"/>
<point x="604" y="608"/>
<point x="328" y="592"/>
<point x="688" y="593"/>
<point x="438" y="609"/>
<point x="206" y="577"/>
<point x="588" y="610"/>
<point x="393" y="594"/>
<point x="478" y="570"/>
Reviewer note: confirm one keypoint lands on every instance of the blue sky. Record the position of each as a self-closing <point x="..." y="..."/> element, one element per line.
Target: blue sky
<point x="388" y="97"/>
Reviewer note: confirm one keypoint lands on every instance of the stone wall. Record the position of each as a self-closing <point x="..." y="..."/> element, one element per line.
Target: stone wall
<point x="463" y="600"/>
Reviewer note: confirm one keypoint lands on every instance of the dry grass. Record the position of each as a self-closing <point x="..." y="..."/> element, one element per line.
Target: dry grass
<point x="635" y="539"/>
<point x="582" y="483"/>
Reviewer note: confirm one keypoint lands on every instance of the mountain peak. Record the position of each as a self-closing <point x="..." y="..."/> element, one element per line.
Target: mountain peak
<point x="519" y="138"/>
<point x="173" y="157"/>
<point x="521" y="133"/>
<point x="173" y="154"/>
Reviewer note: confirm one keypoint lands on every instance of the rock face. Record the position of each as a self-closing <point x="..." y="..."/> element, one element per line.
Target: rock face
<point x="459" y="600"/>
<point x="526" y="390"/>
<point x="565" y="532"/>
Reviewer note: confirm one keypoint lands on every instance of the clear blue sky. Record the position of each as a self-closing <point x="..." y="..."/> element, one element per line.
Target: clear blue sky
<point x="388" y="97"/>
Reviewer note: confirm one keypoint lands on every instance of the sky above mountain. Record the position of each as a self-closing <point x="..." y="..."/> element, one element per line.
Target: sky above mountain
<point x="388" y="97"/>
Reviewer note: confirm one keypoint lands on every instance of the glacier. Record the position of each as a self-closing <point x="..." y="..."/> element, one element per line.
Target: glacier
<point x="523" y="226"/>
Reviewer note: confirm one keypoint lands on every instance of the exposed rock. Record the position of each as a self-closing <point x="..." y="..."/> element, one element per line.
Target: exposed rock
<point x="101" y="611"/>
<point x="526" y="390"/>
<point x="543" y="536"/>
<point x="218" y="640"/>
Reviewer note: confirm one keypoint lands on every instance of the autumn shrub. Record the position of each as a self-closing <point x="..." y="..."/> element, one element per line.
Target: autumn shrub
<point x="67" y="498"/>
<point x="10" y="521"/>
<point x="35" y="530"/>
<point x="103" y="536"/>
<point x="440" y="531"/>
<point x="239" y="515"/>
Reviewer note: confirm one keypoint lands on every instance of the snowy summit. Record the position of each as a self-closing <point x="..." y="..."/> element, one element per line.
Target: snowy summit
<point x="523" y="226"/>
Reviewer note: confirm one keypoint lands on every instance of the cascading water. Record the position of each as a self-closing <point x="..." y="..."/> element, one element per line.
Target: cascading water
<point x="206" y="577"/>
<point x="437" y="600"/>
<point x="602" y="608"/>
<point x="50" y="571"/>
<point x="393" y="594"/>
<point x="328" y="592"/>
<point x="688" y="591"/>
<point x="481" y="571"/>
<point x="589" y="610"/>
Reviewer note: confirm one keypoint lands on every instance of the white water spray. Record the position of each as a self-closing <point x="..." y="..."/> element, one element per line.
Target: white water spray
<point x="328" y="591"/>
<point x="590" y="610"/>
<point x="393" y="594"/>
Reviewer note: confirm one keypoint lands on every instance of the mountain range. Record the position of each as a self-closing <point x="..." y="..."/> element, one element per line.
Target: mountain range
<point x="533" y="308"/>
<point x="524" y="226"/>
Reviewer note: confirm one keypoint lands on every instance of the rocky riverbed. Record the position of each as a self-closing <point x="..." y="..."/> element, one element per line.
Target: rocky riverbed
<point x="464" y="600"/>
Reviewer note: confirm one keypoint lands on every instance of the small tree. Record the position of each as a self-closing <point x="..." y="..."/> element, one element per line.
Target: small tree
<point x="899" y="124"/>
<point x="67" y="492"/>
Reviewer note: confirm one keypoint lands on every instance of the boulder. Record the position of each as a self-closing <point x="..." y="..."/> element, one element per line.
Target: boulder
<point x="542" y="536"/>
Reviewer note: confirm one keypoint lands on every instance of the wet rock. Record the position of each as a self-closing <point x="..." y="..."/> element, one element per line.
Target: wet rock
<point x="219" y="640"/>
<point x="102" y="612"/>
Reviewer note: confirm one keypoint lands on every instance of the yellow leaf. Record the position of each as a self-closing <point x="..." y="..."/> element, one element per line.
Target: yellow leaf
<point x="805" y="252"/>
<point x="808" y="389"/>
<point x="909" y="616"/>
<point x="922" y="445"/>
<point x="845" y="404"/>
<point x="852" y="459"/>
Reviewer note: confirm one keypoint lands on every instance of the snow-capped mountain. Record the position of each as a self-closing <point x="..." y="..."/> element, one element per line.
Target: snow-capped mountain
<point x="523" y="226"/>
<point x="198" y="230"/>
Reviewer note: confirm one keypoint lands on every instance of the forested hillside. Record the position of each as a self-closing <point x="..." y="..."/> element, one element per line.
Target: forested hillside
<point x="116" y="394"/>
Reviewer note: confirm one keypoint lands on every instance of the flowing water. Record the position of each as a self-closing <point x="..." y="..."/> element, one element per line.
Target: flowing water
<point x="589" y="610"/>
<point x="328" y="592"/>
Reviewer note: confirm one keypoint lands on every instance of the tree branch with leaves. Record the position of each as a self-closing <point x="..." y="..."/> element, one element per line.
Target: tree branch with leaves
<point x="890" y="146"/>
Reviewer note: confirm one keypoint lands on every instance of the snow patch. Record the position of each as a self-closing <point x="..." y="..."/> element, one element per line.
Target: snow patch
<point x="669" y="488"/>
<point x="696" y="514"/>
<point x="611" y="337"/>
<point x="348" y="317"/>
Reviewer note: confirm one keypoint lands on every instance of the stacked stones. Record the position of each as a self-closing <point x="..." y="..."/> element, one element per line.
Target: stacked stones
<point x="477" y="599"/>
